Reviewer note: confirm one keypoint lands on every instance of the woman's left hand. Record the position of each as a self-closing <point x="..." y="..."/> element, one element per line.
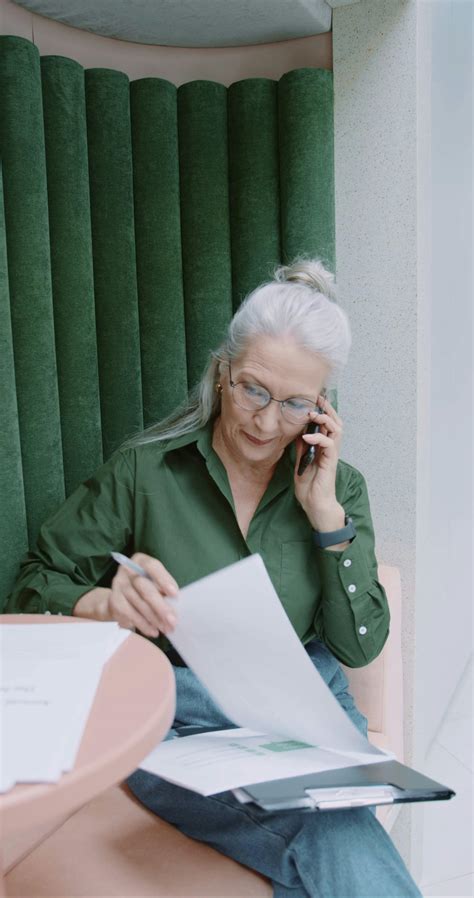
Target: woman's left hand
<point x="315" y="489"/>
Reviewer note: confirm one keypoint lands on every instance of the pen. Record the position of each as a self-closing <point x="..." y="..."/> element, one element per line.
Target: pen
<point x="132" y="566"/>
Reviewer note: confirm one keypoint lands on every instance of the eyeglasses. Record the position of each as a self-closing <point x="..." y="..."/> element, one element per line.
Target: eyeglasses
<point x="253" y="397"/>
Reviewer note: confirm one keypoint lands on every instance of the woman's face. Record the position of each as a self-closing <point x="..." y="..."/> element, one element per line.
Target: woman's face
<point x="285" y="370"/>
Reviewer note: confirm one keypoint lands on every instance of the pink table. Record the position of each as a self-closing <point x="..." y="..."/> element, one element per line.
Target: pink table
<point x="132" y="711"/>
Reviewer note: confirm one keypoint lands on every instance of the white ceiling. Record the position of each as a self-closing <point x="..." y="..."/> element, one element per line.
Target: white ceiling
<point x="192" y="23"/>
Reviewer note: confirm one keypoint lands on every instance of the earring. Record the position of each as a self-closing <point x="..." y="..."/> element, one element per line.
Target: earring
<point x="218" y="388"/>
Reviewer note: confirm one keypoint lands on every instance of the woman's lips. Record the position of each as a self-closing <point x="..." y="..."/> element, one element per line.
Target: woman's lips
<point x="257" y="442"/>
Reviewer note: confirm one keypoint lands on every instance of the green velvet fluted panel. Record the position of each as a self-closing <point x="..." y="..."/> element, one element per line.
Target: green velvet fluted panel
<point x="135" y="219"/>
<point x="306" y="141"/>
<point x="205" y="229"/>
<point x="253" y="183"/>
<point x="113" y="246"/>
<point x="29" y="270"/>
<point x="154" y="119"/>
<point x="71" y="266"/>
<point x="13" y="528"/>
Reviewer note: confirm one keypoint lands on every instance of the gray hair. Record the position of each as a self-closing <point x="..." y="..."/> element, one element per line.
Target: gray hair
<point x="300" y="303"/>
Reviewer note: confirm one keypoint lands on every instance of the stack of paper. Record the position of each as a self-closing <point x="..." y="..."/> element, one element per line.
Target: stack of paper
<point x="49" y="677"/>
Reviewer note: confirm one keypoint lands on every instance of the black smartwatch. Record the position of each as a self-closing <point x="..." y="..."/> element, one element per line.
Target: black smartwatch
<point x="333" y="537"/>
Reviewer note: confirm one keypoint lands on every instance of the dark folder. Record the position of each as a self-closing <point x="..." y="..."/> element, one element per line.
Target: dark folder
<point x="385" y="782"/>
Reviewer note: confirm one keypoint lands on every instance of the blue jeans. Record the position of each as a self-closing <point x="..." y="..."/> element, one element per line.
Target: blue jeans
<point x="330" y="854"/>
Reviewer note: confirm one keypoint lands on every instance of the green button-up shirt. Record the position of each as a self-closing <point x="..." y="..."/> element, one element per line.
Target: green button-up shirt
<point x="172" y="500"/>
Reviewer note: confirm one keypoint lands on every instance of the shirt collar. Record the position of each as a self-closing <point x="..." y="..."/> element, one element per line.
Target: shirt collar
<point x="202" y="436"/>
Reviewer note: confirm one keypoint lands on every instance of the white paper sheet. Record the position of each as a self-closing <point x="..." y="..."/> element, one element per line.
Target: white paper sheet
<point x="49" y="677"/>
<point x="214" y="762"/>
<point x="233" y="632"/>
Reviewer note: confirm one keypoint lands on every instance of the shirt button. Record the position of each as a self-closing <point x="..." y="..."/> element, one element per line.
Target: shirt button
<point x="47" y="612"/>
<point x="362" y="631"/>
<point x="352" y="587"/>
<point x="347" y="562"/>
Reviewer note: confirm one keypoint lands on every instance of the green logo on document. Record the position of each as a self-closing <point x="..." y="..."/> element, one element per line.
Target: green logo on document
<point x="288" y="745"/>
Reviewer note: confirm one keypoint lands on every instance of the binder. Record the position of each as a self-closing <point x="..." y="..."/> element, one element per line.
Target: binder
<point x="386" y="782"/>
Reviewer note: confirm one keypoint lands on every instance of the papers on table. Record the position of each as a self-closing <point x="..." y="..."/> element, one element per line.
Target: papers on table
<point x="234" y="633"/>
<point x="49" y="676"/>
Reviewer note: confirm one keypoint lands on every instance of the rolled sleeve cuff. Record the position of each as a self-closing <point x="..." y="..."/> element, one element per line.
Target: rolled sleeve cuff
<point x="57" y="598"/>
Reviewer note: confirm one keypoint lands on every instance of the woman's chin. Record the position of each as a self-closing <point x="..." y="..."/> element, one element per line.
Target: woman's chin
<point x="253" y="450"/>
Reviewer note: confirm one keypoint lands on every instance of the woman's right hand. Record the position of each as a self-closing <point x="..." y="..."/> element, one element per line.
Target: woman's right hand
<point x="134" y="601"/>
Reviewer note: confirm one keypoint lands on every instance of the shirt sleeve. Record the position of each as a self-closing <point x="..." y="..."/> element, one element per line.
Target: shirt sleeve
<point x="72" y="553"/>
<point x="353" y="617"/>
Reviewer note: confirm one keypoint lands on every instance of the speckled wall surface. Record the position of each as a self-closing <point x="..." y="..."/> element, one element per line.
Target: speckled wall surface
<point x="374" y="52"/>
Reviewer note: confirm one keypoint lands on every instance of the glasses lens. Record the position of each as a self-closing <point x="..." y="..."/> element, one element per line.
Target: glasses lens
<point x="297" y="410"/>
<point x="250" y="396"/>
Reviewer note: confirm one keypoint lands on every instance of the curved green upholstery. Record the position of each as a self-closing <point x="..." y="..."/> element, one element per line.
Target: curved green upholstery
<point x="134" y="219"/>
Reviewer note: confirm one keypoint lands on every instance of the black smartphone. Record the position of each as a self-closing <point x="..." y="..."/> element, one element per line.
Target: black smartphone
<point x="310" y="454"/>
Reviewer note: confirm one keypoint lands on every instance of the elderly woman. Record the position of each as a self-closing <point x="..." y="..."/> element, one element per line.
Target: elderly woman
<point x="216" y="481"/>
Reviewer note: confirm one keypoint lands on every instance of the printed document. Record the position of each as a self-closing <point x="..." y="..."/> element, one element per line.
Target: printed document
<point x="214" y="762"/>
<point x="49" y="677"/>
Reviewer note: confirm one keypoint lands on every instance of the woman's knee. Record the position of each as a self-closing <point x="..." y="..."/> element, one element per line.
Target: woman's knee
<point x="354" y="856"/>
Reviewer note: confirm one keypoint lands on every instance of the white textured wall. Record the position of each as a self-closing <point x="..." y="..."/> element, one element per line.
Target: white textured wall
<point x="444" y="634"/>
<point x="403" y="145"/>
<point x="445" y="185"/>
<point x="374" y="58"/>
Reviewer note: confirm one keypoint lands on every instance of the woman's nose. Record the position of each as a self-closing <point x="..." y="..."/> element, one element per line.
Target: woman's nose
<point x="268" y="419"/>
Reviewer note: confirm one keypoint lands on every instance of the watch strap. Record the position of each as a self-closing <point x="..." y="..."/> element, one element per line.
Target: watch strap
<point x="333" y="537"/>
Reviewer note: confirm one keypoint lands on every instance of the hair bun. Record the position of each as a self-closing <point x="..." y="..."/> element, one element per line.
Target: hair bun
<point x="309" y="273"/>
